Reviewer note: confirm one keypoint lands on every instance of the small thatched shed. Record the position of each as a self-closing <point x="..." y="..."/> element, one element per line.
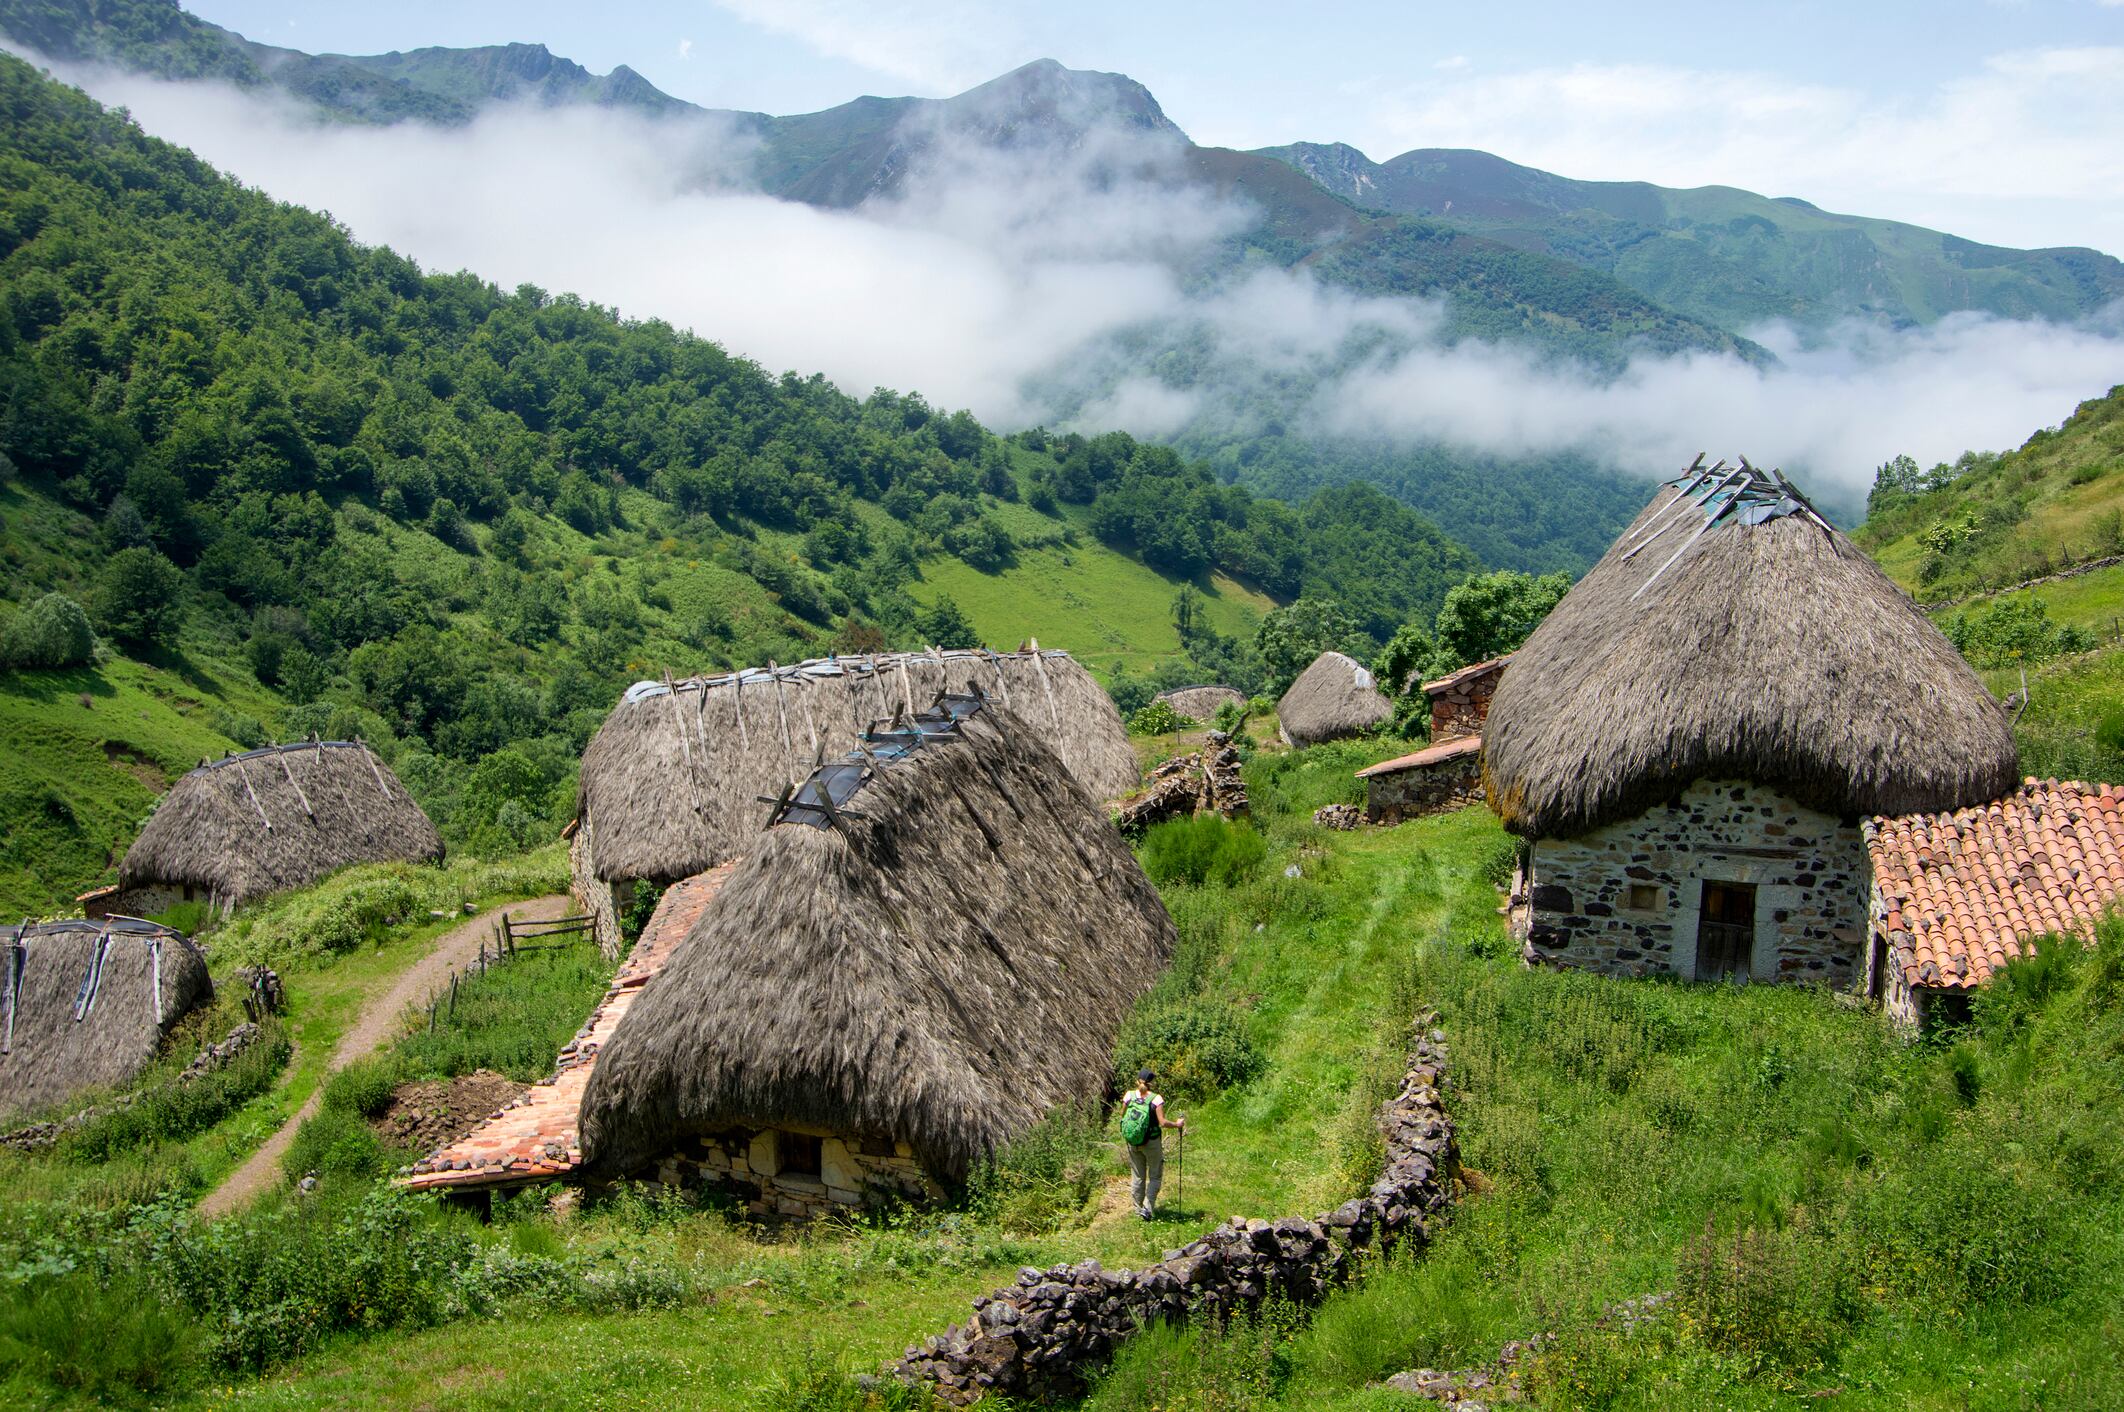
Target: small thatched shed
<point x="1201" y="703"/>
<point x="930" y="949"/>
<point x="270" y="819"/>
<point x="671" y="782"/>
<point x="1334" y="698"/>
<point x="87" y="1003"/>
<point x="1692" y="736"/>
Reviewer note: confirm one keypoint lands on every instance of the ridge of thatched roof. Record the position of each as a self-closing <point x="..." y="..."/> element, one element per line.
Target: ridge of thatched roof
<point x="941" y="962"/>
<point x="1333" y="698"/>
<point x="128" y="981"/>
<point x="671" y="781"/>
<point x="1200" y="703"/>
<point x="277" y="818"/>
<point x="1727" y="636"/>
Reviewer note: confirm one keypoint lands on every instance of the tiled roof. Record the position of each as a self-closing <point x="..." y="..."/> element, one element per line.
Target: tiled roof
<point x="1453" y="679"/>
<point x="534" y="1138"/>
<point x="1429" y="755"/>
<point x="1965" y="892"/>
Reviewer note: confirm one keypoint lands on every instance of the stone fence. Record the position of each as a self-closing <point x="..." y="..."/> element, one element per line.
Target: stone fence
<point x="1036" y="1338"/>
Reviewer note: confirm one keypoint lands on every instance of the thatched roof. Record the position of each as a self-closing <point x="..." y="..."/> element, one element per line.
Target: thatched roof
<point x="1333" y="698"/>
<point x="1737" y="636"/>
<point x="149" y="978"/>
<point x="672" y="780"/>
<point x="941" y="962"/>
<point x="277" y="818"/>
<point x="1200" y="703"/>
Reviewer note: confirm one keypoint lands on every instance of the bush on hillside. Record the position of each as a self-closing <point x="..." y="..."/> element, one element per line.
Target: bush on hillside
<point x="51" y="632"/>
<point x="2013" y="632"/>
<point x="1200" y="849"/>
<point x="140" y="599"/>
<point x="1157" y="718"/>
<point x="1197" y="1047"/>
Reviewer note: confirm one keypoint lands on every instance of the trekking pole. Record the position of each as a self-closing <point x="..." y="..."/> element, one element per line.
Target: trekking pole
<point x="1180" y="1173"/>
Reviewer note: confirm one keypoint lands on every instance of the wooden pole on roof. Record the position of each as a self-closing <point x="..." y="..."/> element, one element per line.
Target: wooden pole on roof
<point x="811" y="719"/>
<point x="245" y="776"/>
<point x="907" y="686"/>
<point x="155" y="981"/>
<point x="283" y="759"/>
<point x="374" y="768"/>
<point x="737" y="704"/>
<point x="1053" y="715"/>
<point x="678" y="719"/>
<point x="17" y="963"/>
<point x="781" y="704"/>
<point x="1002" y="682"/>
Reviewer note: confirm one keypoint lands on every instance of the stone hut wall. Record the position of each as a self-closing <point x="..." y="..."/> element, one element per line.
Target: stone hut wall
<point x="1426" y="789"/>
<point x="748" y="1162"/>
<point x="1625" y="898"/>
<point x="1461" y="708"/>
<point x="601" y="901"/>
<point x="1033" y="1338"/>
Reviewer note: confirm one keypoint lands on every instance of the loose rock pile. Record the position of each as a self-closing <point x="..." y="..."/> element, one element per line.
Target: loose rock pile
<point x="1031" y="1339"/>
<point x="1206" y="780"/>
<point x="1338" y="816"/>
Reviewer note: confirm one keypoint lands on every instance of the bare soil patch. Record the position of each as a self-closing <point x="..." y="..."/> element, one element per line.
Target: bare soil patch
<point x="433" y="1112"/>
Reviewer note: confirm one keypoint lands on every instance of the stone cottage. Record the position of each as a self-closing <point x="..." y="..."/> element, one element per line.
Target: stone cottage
<point x="1447" y="773"/>
<point x="1690" y="741"/>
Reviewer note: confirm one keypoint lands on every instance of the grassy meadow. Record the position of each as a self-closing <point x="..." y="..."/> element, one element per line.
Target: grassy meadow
<point x="1837" y="1216"/>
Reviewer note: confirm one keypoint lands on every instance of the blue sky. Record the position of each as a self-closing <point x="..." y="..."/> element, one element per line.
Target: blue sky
<point x="2000" y="121"/>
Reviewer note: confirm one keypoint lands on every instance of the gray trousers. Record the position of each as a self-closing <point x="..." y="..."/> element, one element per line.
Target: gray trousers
<point x="1146" y="1172"/>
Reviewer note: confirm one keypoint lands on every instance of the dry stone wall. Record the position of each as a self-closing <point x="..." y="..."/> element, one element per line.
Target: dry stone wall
<point x="1624" y="899"/>
<point x="1427" y="789"/>
<point x="1036" y="1338"/>
<point x="749" y="1163"/>
<point x="1461" y="709"/>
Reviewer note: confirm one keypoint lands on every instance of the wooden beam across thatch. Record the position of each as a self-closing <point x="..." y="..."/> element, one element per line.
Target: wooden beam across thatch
<point x="1731" y="633"/>
<point x="87" y="1003"/>
<point x="312" y="808"/>
<point x="653" y="809"/>
<point x="942" y="967"/>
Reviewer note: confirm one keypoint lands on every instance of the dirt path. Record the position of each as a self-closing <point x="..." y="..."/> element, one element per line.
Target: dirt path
<point x="453" y="950"/>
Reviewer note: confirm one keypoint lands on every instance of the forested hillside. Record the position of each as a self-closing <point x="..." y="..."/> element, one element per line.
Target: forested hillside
<point x="300" y="484"/>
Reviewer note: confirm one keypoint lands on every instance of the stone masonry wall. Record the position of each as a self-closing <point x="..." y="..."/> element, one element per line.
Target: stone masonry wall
<point x="601" y="901"/>
<point x="1624" y="899"/>
<point x="748" y="1162"/>
<point x="1032" y="1338"/>
<point x="1462" y="708"/>
<point x="1409" y="794"/>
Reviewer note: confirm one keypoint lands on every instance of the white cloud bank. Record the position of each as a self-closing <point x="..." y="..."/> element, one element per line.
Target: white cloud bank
<point x="1003" y="276"/>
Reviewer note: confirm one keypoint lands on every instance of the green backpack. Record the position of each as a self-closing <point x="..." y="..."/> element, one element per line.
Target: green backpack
<point x="1139" y="1121"/>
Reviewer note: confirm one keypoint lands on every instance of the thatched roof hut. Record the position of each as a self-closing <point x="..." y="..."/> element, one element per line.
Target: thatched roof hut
<point x="277" y="818"/>
<point x="1333" y="698"/>
<point x="87" y="1004"/>
<point x="1201" y="703"/>
<point x="936" y="961"/>
<point x="671" y="781"/>
<point x="1731" y="633"/>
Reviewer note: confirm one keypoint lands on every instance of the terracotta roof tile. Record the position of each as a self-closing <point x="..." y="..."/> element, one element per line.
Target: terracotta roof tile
<point x="1453" y="679"/>
<point x="533" y="1137"/>
<point x="1429" y="755"/>
<point x="1965" y="892"/>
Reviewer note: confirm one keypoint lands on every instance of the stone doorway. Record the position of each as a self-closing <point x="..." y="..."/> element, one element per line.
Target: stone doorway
<point x="1725" y="931"/>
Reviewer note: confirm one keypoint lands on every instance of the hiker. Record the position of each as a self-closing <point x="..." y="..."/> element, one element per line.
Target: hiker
<point x="1143" y="1124"/>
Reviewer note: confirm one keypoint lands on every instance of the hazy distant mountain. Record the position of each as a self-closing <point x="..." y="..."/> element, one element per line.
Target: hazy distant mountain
<point x="1726" y="256"/>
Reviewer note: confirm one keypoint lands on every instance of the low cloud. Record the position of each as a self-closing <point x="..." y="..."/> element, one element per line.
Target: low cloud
<point x="1066" y="286"/>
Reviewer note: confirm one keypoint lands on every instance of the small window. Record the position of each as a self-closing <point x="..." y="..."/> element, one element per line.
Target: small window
<point x="800" y="1154"/>
<point x="1643" y="897"/>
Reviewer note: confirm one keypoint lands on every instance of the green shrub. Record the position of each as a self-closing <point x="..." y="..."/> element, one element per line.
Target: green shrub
<point x="1158" y="718"/>
<point x="335" y="1142"/>
<point x="171" y="1109"/>
<point x="1200" y="849"/>
<point x="365" y="1086"/>
<point x="1198" y="1047"/>
<point x="113" y="1341"/>
<point x="1046" y="1176"/>
<point x="140" y="598"/>
<point x="51" y="632"/>
<point x="246" y="731"/>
